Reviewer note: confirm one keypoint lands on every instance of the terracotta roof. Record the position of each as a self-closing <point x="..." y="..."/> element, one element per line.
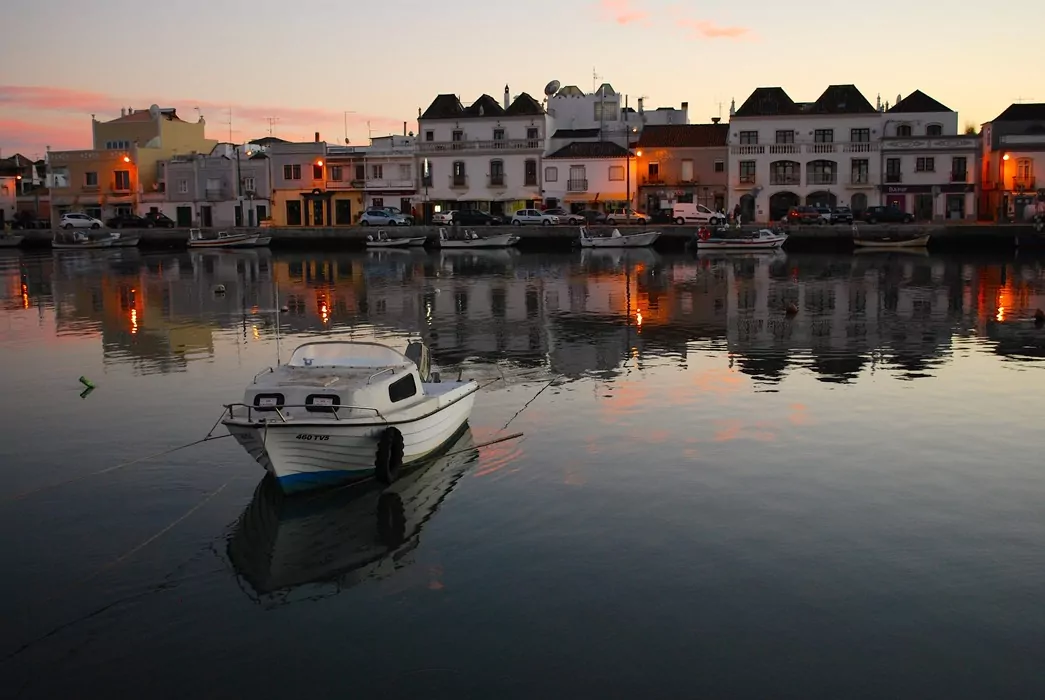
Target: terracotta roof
<point x="767" y="101"/>
<point x="591" y="149"/>
<point x="576" y="133"/>
<point x="524" y="105"/>
<point x="918" y="102"/>
<point x="485" y="106"/>
<point x="843" y="99"/>
<point x="684" y="136"/>
<point x="1029" y="112"/>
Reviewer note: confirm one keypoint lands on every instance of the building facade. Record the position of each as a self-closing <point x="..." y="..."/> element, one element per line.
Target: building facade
<point x="682" y="163"/>
<point x="300" y="196"/>
<point x="99" y="183"/>
<point x="390" y="167"/>
<point x="928" y="168"/>
<point x="588" y="176"/>
<point x="486" y="156"/>
<point x="225" y="188"/>
<point x="784" y="153"/>
<point x="1012" y="165"/>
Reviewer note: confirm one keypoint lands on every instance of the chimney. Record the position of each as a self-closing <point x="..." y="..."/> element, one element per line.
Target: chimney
<point x="716" y="120"/>
<point x="317" y="137"/>
<point x="640" y="105"/>
<point x="685" y="106"/>
<point x="507" y="97"/>
<point x="404" y="128"/>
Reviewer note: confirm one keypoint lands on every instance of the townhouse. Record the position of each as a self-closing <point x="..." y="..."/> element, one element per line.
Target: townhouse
<point x="681" y="163"/>
<point x="1012" y="159"/>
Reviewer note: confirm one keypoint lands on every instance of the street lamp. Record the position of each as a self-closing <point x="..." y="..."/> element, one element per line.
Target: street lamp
<point x="1004" y="213"/>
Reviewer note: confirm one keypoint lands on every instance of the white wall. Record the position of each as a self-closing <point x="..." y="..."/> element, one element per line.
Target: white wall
<point x="596" y="174"/>
<point x="8" y="196"/>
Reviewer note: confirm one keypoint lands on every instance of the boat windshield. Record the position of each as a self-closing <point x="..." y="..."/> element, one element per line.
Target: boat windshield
<point x="346" y="355"/>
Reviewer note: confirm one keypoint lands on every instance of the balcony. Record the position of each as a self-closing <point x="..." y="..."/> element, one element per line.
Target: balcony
<point x="821" y="147"/>
<point x="822" y="178"/>
<point x="858" y="180"/>
<point x="576" y="185"/>
<point x="390" y="183"/>
<point x="493" y="145"/>
<point x="782" y="149"/>
<point x="495" y="180"/>
<point x="962" y="176"/>
<point x="785" y="179"/>
<point x="893" y="178"/>
<point x="342" y="184"/>
<point x="859" y="147"/>
<point x="653" y="180"/>
<point x="1025" y="182"/>
<point x="121" y="188"/>
<point x="747" y="150"/>
<point x="218" y="194"/>
<point x="458" y="182"/>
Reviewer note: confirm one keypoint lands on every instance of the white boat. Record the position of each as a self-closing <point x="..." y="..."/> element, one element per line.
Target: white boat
<point x="341" y="411"/>
<point x="223" y="239"/>
<point x="77" y="240"/>
<point x="891" y="241"/>
<point x="471" y="239"/>
<point x="262" y="241"/>
<point x="617" y="240"/>
<point x="291" y="549"/>
<point x="383" y="240"/>
<point x="124" y="240"/>
<point x="733" y="239"/>
<point x="10" y="240"/>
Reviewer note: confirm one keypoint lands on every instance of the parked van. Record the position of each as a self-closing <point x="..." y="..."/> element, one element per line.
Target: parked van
<point x="689" y="213"/>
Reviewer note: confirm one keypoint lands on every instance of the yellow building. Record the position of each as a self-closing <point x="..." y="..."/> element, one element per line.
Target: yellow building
<point x="315" y="184"/>
<point x="124" y="169"/>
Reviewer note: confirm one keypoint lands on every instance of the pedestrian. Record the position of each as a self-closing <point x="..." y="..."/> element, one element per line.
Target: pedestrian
<point x="736" y="212"/>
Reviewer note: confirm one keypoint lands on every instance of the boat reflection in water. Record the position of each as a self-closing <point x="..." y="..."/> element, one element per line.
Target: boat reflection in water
<point x="313" y="546"/>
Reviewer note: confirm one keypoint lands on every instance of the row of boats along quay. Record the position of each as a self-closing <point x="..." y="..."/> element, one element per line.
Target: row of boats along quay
<point x="938" y="236"/>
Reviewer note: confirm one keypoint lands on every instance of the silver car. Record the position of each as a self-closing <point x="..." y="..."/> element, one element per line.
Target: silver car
<point x="382" y="217"/>
<point x="78" y="220"/>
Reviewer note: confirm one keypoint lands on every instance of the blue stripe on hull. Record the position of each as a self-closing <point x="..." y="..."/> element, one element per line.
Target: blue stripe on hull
<point x="306" y="481"/>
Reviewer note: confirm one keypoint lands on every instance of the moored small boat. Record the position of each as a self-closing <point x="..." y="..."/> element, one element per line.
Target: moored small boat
<point x="382" y="240"/>
<point x="78" y="240"/>
<point x="617" y="240"/>
<point x="892" y="241"/>
<point x="223" y="239"/>
<point x="124" y="240"/>
<point x="10" y="240"/>
<point x="471" y="239"/>
<point x="733" y="239"/>
<point x="341" y="411"/>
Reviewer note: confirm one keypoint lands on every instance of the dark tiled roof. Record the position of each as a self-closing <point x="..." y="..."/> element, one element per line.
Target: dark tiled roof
<point x="524" y="105"/>
<point x="444" y="107"/>
<point x="589" y="149"/>
<point x="576" y="133"/>
<point x="1029" y="112"/>
<point x="268" y="140"/>
<point x="767" y="101"/>
<point x="684" y="136"/>
<point x="485" y="106"/>
<point x="918" y="102"/>
<point x="843" y="99"/>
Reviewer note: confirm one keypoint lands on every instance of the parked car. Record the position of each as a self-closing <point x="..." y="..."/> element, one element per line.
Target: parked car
<point x="593" y="216"/>
<point x="159" y="220"/>
<point x="126" y="220"/>
<point x="396" y="211"/>
<point x="689" y="213"/>
<point x="382" y="217"/>
<point x="566" y="216"/>
<point x="661" y="216"/>
<point x="533" y="216"/>
<point x="626" y="215"/>
<point x="842" y="215"/>
<point x="825" y="214"/>
<point x="803" y="215"/>
<point x="443" y="217"/>
<point x="887" y="215"/>
<point x="474" y="217"/>
<point x="78" y="220"/>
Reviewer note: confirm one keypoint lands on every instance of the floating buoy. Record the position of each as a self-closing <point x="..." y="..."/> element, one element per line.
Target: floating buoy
<point x="219" y="289"/>
<point x="791" y="309"/>
<point x="285" y="309"/>
<point x="86" y="382"/>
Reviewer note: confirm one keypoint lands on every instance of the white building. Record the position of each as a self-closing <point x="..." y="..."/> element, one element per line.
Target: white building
<point x="227" y="187"/>
<point x="784" y="153"/>
<point x="391" y="172"/>
<point x="485" y="156"/>
<point x="929" y="168"/>
<point x="588" y="175"/>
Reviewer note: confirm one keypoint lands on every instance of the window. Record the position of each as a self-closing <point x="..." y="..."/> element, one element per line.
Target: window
<point x="123" y="180"/>
<point x="183" y="186"/>
<point x="785" y="172"/>
<point x="720" y="166"/>
<point x="459" y="177"/>
<point x="892" y="170"/>
<point x="787" y="136"/>
<point x="498" y="135"/>
<point x="360" y="173"/>
<point x="497" y="173"/>
<point x="903" y="130"/>
<point x="336" y="173"/>
<point x="934" y="130"/>
<point x="249" y="184"/>
<point x="404" y="171"/>
<point x="426" y="173"/>
<point x="457" y="137"/>
<point x="377" y="202"/>
<point x="317" y="172"/>
<point x="533" y="138"/>
<point x="402" y="389"/>
<point x="117" y="145"/>
<point x="59" y="177"/>
<point x="530" y="173"/>
<point x="747" y="170"/>
<point x="551" y="174"/>
<point x="653" y="170"/>
<point x="377" y="172"/>
<point x="925" y="165"/>
<point x="617" y="173"/>
<point x="293" y="213"/>
<point x="429" y="136"/>
<point x="606" y="111"/>
<point x="959" y="169"/>
<point x="687" y="170"/>
<point x="291" y="172"/>
<point x="824" y="136"/>
<point x="822" y="172"/>
<point x="860" y="135"/>
<point x="748" y="138"/>
<point x="90" y="179"/>
<point x="860" y="171"/>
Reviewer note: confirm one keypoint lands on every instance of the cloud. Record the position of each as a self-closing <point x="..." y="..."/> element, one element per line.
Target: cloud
<point x="622" y="12"/>
<point x="59" y="117"/>
<point x="707" y="29"/>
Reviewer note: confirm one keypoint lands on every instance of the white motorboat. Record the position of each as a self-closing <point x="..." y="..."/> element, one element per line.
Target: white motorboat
<point x="262" y="241"/>
<point x="78" y="240"/>
<point x="471" y="239"/>
<point x="734" y="239"/>
<point x="618" y="240"/>
<point x="223" y="239"/>
<point x="10" y="240"/>
<point x="382" y="240"/>
<point x="340" y="411"/>
<point x="124" y="240"/>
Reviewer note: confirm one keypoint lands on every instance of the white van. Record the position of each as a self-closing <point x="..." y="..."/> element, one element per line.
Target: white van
<point x="688" y="213"/>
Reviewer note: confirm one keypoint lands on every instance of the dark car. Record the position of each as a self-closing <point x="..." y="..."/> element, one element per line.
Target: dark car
<point x="593" y="216"/>
<point x="159" y="220"/>
<point x="887" y="215"/>
<point x="804" y="215"/>
<point x="661" y="216"/>
<point x="127" y="220"/>
<point x="566" y="217"/>
<point x="842" y="215"/>
<point x="474" y="217"/>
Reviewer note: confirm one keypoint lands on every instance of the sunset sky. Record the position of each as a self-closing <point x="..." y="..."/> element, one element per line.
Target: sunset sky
<point x="309" y="61"/>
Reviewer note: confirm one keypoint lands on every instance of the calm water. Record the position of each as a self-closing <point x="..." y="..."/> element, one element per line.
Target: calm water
<point x="709" y="500"/>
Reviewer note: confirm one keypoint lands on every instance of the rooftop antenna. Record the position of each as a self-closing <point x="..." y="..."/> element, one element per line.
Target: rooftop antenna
<point x="595" y="78"/>
<point x="272" y="122"/>
<point x="199" y="114"/>
<point x="720" y="110"/>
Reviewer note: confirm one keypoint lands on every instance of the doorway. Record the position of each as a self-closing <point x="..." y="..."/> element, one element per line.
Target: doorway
<point x="923" y="207"/>
<point x="206" y="217"/>
<point x="239" y="215"/>
<point x="956" y="206"/>
<point x="184" y="217"/>
<point x="343" y="212"/>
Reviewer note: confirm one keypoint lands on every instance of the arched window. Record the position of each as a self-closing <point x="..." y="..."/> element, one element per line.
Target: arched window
<point x="903" y="130"/>
<point x="934" y="130"/>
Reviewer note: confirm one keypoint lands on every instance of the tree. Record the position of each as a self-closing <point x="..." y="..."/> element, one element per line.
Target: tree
<point x="970" y="129"/>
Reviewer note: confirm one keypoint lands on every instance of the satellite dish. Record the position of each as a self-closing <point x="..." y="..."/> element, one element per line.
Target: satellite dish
<point x="154" y="111"/>
<point x="551" y="88"/>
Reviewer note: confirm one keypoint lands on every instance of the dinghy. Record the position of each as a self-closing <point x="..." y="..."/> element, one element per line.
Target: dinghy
<point x="617" y="240"/>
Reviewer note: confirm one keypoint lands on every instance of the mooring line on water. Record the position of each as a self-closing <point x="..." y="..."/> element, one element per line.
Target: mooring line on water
<point x="47" y="487"/>
<point x="527" y="404"/>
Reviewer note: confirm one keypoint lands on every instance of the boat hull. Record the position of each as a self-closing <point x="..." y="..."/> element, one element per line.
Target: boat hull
<point x="741" y="243"/>
<point x="305" y="455"/>
<point x="886" y="242"/>
<point x="10" y="241"/>
<point x="413" y="242"/>
<point x="244" y="241"/>
<point x="502" y="240"/>
<point x="91" y="245"/>
<point x="634" y="240"/>
<point x="121" y="240"/>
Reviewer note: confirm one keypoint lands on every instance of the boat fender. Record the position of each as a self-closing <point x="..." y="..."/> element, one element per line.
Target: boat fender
<point x="369" y="237"/>
<point x="389" y="458"/>
<point x="703" y="234"/>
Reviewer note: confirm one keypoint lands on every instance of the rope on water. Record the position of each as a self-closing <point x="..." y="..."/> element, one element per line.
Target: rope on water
<point x="527" y="404"/>
<point x="207" y="438"/>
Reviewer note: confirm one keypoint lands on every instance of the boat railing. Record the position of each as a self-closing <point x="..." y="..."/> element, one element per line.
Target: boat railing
<point x="379" y="373"/>
<point x="268" y="370"/>
<point x="278" y="409"/>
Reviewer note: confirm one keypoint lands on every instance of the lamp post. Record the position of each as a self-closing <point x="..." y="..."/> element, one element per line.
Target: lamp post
<point x="627" y="178"/>
<point x="1003" y="215"/>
